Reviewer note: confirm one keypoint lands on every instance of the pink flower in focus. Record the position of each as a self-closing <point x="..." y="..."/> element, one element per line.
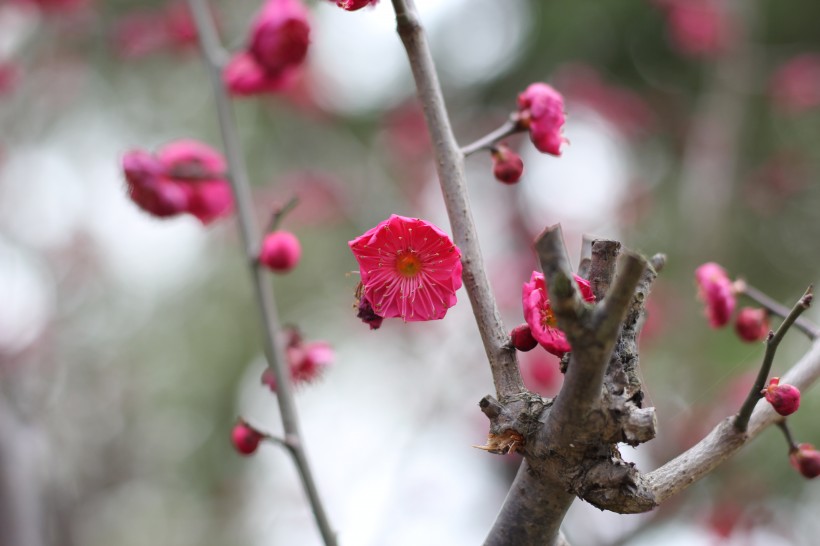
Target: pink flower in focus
<point x="752" y="324"/>
<point x="785" y="399"/>
<point x="715" y="289"/>
<point x="538" y="313"/>
<point x="541" y="110"/>
<point x="507" y="165"/>
<point x="806" y="460"/>
<point x="244" y="77"/>
<point x="184" y="176"/>
<point x="698" y="28"/>
<point x="353" y="5"/>
<point x="280" y="35"/>
<point x="795" y="86"/>
<point x="409" y="269"/>
<point x="306" y="361"/>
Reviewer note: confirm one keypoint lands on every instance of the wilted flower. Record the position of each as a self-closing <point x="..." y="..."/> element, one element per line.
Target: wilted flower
<point x="785" y="399"/>
<point x="538" y="313"/>
<point x="541" y="110"/>
<point x="409" y="269"/>
<point x="716" y="291"/>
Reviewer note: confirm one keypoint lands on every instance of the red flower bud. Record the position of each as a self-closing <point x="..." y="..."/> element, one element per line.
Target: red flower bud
<point x="752" y="324"/>
<point x="280" y="35"/>
<point x="507" y="165"/>
<point x="521" y="338"/>
<point x="806" y="460"/>
<point x="280" y="251"/>
<point x="353" y="5"/>
<point x="245" y="438"/>
<point x="785" y="399"/>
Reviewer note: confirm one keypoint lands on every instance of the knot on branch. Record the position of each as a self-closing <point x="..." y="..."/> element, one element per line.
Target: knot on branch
<point x="514" y="424"/>
<point x="615" y="485"/>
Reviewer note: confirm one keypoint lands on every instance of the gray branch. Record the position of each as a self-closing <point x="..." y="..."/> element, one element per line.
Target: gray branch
<point x="450" y="167"/>
<point x="240" y="184"/>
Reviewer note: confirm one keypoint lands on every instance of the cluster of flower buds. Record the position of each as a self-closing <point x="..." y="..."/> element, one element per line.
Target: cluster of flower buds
<point x="718" y="292"/>
<point x="278" y="45"/>
<point x="784" y="398"/>
<point x="185" y="176"/>
<point x="145" y="32"/>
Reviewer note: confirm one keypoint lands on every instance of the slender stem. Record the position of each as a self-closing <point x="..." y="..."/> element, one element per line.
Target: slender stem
<point x="784" y="426"/>
<point x="450" y="167"/>
<point x="802" y="324"/>
<point x="250" y="236"/>
<point x="280" y="212"/>
<point x="486" y="142"/>
<point x="772" y="342"/>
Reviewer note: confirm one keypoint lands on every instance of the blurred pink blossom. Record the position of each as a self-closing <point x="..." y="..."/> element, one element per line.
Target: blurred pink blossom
<point x="280" y="35"/>
<point x="716" y="291"/>
<point x="699" y="28"/>
<point x="795" y="85"/>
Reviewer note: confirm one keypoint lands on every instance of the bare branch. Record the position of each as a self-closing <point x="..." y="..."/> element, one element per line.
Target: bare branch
<point x="772" y="342"/>
<point x="724" y="441"/>
<point x="486" y="142"/>
<point x="610" y="313"/>
<point x="532" y="501"/>
<point x="564" y="296"/>
<point x="450" y="167"/>
<point x="602" y="267"/>
<point x="804" y="325"/>
<point x="263" y="289"/>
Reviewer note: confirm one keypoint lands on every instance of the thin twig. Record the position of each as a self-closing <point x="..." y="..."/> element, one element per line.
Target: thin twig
<point x="450" y="167"/>
<point x="724" y="440"/>
<point x="280" y="212"/>
<point x="240" y="185"/>
<point x="486" y="142"/>
<point x="802" y="323"/>
<point x="772" y="342"/>
<point x="784" y="426"/>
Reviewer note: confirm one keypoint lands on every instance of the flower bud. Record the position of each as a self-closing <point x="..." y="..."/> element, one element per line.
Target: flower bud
<point x="353" y="5"/>
<point x="521" y="338"/>
<point x="280" y="251"/>
<point x="752" y="324"/>
<point x="507" y="165"/>
<point x="244" y="77"/>
<point x="245" y="438"/>
<point x="806" y="460"/>
<point x="785" y="399"/>
<point x="280" y="35"/>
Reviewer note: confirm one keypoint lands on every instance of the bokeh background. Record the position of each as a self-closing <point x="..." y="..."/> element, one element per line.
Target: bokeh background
<point x="129" y="345"/>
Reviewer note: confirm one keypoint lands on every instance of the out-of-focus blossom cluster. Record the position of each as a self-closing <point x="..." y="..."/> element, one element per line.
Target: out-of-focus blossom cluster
<point x="276" y="48"/>
<point x="185" y="176"/>
<point x="146" y="32"/>
<point x="698" y="28"/>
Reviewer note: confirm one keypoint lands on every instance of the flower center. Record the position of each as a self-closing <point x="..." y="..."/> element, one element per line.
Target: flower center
<point x="409" y="265"/>
<point x="548" y="318"/>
